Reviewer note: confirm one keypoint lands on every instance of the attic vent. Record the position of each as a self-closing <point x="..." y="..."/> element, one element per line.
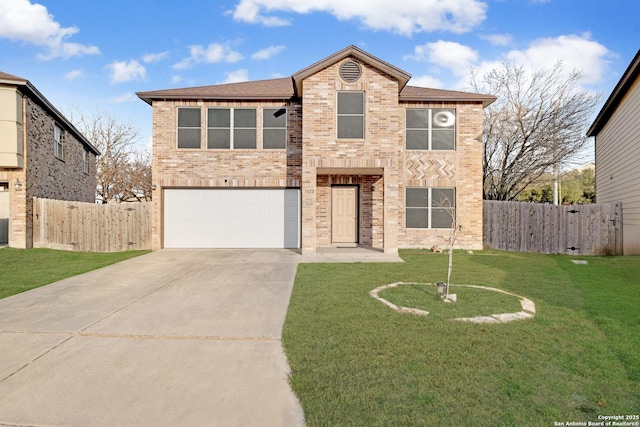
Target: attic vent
<point x="350" y="71"/>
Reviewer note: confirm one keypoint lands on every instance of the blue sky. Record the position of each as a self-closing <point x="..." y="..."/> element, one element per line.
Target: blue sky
<point x="89" y="54"/>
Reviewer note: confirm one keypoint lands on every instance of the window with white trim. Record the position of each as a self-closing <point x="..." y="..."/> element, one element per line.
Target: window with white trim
<point x="427" y="207"/>
<point x="431" y="129"/>
<point x="231" y="128"/>
<point x="351" y="115"/>
<point x="189" y="127"/>
<point x="274" y="128"/>
<point x="58" y="141"/>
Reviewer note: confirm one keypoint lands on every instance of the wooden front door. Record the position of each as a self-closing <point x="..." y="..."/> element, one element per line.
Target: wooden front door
<point x="344" y="215"/>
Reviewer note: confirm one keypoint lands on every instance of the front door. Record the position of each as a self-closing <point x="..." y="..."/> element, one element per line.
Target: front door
<point x="344" y="215"/>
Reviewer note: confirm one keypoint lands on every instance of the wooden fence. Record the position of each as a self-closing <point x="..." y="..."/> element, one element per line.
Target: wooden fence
<point x="534" y="227"/>
<point x="91" y="227"/>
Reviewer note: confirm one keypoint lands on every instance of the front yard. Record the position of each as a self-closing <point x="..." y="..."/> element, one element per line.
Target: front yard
<point x="24" y="269"/>
<point x="355" y="361"/>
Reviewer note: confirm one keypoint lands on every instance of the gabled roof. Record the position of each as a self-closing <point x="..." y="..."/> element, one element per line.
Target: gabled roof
<point x="621" y="89"/>
<point x="395" y="72"/>
<point x="27" y="88"/>
<point x="291" y="87"/>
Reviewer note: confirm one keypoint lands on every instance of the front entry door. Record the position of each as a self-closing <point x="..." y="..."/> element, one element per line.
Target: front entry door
<point x="344" y="215"/>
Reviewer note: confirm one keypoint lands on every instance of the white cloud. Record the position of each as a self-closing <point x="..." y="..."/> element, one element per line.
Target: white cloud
<point x="176" y="79"/>
<point x="405" y="17"/>
<point x="267" y="53"/>
<point x="575" y="51"/>
<point x="154" y="57"/>
<point x="426" y="81"/>
<point x="498" y="39"/>
<point x="125" y="97"/>
<point x="32" y="23"/>
<point x="236" y="76"/>
<point x="74" y="74"/>
<point x="213" y="53"/>
<point x="453" y="56"/>
<point x="123" y="71"/>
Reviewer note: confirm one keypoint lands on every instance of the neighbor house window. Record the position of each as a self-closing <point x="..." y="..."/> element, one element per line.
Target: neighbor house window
<point x="351" y="115"/>
<point x="58" y="140"/>
<point x="274" y="128"/>
<point x="431" y="129"/>
<point x="85" y="161"/>
<point x="233" y="128"/>
<point x="188" y="127"/>
<point x="430" y="207"/>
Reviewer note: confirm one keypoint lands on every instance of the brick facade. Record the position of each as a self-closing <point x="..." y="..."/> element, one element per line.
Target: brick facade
<point x="315" y="159"/>
<point x="44" y="175"/>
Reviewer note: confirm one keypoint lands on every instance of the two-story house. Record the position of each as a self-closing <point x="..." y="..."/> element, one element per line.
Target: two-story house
<point x="342" y="153"/>
<point x="41" y="155"/>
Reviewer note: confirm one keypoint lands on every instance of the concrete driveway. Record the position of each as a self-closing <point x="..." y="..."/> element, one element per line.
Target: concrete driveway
<point x="172" y="338"/>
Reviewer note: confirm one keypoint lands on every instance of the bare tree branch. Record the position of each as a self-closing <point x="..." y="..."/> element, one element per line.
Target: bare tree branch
<point x="123" y="173"/>
<point x="539" y="120"/>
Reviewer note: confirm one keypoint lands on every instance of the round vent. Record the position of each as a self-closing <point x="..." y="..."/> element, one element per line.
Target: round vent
<point x="350" y="71"/>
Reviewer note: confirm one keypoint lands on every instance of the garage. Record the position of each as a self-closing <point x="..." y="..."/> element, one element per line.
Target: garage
<point x="231" y="218"/>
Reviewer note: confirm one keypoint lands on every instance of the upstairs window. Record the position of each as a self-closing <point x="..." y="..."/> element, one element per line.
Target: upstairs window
<point x="231" y="128"/>
<point x="351" y="115"/>
<point x="58" y="141"/>
<point x="188" y="127"/>
<point x="430" y="207"/>
<point x="274" y="128"/>
<point x="431" y="129"/>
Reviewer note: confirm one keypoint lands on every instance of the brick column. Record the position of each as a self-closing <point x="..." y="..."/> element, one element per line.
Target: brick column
<point x="391" y="204"/>
<point x="308" y="209"/>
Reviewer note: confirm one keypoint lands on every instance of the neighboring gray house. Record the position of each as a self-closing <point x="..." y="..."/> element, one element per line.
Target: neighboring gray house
<point x="617" y="144"/>
<point x="41" y="155"/>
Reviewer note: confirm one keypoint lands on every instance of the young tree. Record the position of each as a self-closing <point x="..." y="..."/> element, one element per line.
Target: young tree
<point x="122" y="172"/>
<point x="538" y="121"/>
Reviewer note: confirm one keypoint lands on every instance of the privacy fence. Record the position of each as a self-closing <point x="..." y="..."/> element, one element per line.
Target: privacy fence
<point x="91" y="227"/>
<point x="594" y="229"/>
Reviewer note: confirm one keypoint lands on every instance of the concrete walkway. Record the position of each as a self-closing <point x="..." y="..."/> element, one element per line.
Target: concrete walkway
<point x="172" y="338"/>
<point x="335" y="254"/>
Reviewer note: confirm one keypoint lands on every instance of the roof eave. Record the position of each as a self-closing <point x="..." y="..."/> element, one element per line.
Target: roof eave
<point x="486" y="101"/>
<point x="150" y="98"/>
<point x="626" y="81"/>
<point x="28" y="87"/>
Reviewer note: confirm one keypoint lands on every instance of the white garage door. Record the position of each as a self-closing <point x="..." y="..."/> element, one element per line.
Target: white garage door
<point x="225" y="218"/>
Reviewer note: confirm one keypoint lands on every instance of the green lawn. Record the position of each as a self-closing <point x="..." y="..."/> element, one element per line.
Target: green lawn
<point x="356" y="362"/>
<point x="24" y="269"/>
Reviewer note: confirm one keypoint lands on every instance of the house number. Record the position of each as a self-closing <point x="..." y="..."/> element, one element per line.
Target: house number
<point x="310" y="191"/>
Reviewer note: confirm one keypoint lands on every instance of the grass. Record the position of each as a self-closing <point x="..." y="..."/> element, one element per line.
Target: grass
<point x="356" y="362"/>
<point x="25" y="269"/>
<point x="471" y="302"/>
